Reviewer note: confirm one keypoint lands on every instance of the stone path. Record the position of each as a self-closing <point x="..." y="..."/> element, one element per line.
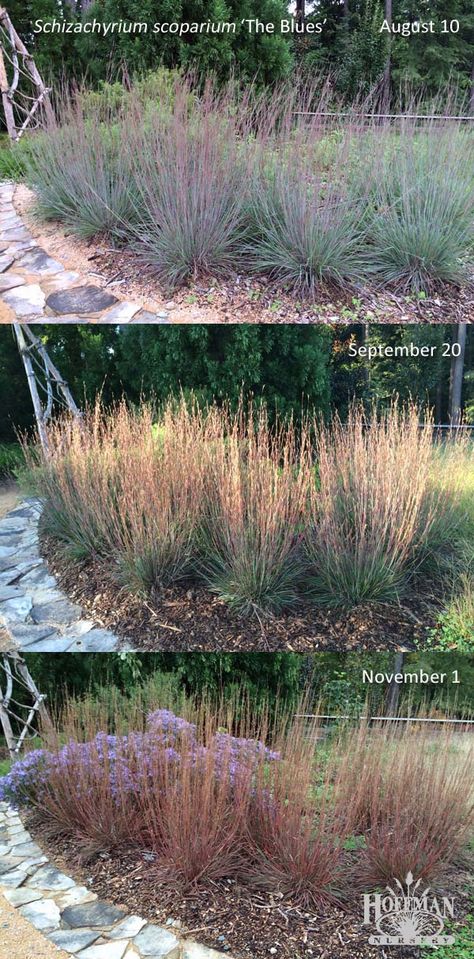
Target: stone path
<point x="35" y="288"/>
<point x="71" y="916"/>
<point x="35" y="615"/>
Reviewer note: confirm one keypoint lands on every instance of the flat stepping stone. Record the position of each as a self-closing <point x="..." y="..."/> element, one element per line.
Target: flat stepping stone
<point x="18" y="608"/>
<point x="127" y="929"/>
<point x="14" y="878"/>
<point x="8" y="281"/>
<point x="60" y="281"/>
<point x="80" y="299"/>
<point x="8" y="864"/>
<point x="15" y="235"/>
<point x="64" y="318"/>
<point x="107" y="950"/>
<point x="35" y="615"/>
<point x="37" y="578"/>
<point x="21" y="897"/>
<point x="57" y="611"/>
<point x="72" y="940"/>
<point x="192" y="950"/>
<point x="95" y="914"/>
<point x="95" y="641"/>
<point x="122" y="313"/>
<point x="27" y="633"/>
<point x="156" y="942"/>
<point x="52" y="644"/>
<point x="37" y="261"/>
<point x="74" y="896"/>
<point x="10" y="592"/>
<point x="26" y="849"/>
<point x="26" y="300"/>
<point x="50" y="878"/>
<point x="144" y="316"/>
<point x="6" y="262"/>
<point x="43" y="915"/>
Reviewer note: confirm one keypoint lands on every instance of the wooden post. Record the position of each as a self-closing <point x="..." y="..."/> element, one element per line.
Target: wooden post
<point x="457" y="373"/>
<point x="30" y="375"/>
<point x="4" y="703"/>
<point x="53" y="372"/>
<point x="7" y="105"/>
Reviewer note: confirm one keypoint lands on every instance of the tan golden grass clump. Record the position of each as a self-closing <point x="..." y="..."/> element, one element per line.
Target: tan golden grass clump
<point x="264" y="515"/>
<point x="258" y="483"/>
<point x="372" y="509"/>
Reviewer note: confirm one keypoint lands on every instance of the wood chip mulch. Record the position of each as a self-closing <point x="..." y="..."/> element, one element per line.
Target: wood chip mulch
<point x="192" y="619"/>
<point x="230" y="917"/>
<point x="256" y="300"/>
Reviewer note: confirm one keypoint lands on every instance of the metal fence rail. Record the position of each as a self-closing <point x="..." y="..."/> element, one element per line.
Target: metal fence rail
<point x="383" y="116"/>
<point x="387" y="719"/>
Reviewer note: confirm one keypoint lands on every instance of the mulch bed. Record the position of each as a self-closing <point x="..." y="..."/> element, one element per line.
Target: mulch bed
<point x="193" y="619"/>
<point x="229" y="917"/>
<point x="249" y="300"/>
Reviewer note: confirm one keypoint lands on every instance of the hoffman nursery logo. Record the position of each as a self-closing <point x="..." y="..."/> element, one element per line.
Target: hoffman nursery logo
<point x="407" y="916"/>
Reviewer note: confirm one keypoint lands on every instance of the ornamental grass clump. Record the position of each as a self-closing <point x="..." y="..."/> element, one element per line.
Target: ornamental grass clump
<point x="120" y="487"/>
<point x="414" y="796"/>
<point x="257" y="487"/>
<point x="220" y="796"/>
<point x="373" y="506"/>
<point x="192" y="173"/>
<point x="179" y="789"/>
<point x="308" y="223"/>
<point x="81" y="174"/>
<point x="422" y="228"/>
<point x="309" y="227"/>
<point x="297" y="824"/>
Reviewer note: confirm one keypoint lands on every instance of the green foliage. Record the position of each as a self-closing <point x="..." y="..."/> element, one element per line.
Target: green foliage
<point x="286" y="365"/>
<point x="14" y="158"/>
<point x="455" y="627"/>
<point x="11" y="459"/>
<point x="5" y="766"/>
<point x="98" y="58"/>
<point x="333" y="677"/>
<point x="263" y="676"/>
<point x="463" y="941"/>
<point x="352" y="47"/>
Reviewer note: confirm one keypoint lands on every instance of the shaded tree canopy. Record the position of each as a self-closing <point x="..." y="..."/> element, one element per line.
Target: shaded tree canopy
<point x="289" y="366"/>
<point x="352" y="44"/>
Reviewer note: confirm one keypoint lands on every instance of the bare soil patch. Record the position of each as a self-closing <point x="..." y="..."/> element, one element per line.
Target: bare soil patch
<point x="241" y="300"/>
<point x="229" y="917"/>
<point x="8" y="496"/>
<point x="191" y="618"/>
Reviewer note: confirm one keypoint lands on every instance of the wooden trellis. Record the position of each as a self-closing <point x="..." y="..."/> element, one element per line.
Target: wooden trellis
<point x="45" y="382"/>
<point x="19" y="720"/>
<point x="25" y="97"/>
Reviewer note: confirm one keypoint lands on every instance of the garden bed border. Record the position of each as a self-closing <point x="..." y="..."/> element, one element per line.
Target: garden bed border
<point x="71" y="916"/>
<point x="35" y="615"/>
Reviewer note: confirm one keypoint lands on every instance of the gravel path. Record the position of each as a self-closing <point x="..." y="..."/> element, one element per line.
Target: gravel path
<point x="8" y="497"/>
<point x="20" y="940"/>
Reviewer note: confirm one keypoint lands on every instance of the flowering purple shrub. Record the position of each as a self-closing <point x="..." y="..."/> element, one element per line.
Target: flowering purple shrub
<point x="25" y="779"/>
<point x="127" y="761"/>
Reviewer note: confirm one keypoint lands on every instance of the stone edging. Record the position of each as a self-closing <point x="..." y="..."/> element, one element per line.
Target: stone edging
<point x="34" y="614"/>
<point x="72" y="916"/>
<point x="35" y="288"/>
